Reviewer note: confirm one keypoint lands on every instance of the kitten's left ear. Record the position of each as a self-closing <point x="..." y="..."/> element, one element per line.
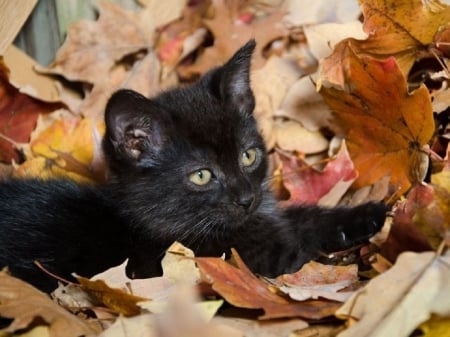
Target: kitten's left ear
<point x="134" y="128"/>
<point x="235" y="79"/>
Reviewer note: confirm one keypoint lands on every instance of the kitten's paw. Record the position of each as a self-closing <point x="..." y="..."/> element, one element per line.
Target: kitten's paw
<point x="359" y="225"/>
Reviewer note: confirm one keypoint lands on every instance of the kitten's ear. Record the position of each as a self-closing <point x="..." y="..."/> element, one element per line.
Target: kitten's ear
<point x="134" y="129"/>
<point x="235" y="79"/>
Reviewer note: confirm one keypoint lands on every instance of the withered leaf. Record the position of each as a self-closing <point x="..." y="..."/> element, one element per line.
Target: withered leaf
<point x="115" y="299"/>
<point x="18" y="116"/>
<point x="230" y="33"/>
<point x="386" y="127"/>
<point x="238" y="286"/>
<point x="24" y="303"/>
<point x="92" y="48"/>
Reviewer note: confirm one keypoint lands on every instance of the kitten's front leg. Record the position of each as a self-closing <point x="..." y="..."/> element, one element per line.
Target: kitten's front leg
<point x="334" y="229"/>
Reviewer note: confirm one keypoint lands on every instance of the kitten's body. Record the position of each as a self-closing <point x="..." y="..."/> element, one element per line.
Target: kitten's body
<point x="187" y="165"/>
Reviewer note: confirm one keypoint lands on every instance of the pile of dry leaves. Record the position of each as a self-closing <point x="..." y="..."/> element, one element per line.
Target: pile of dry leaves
<point x="350" y="111"/>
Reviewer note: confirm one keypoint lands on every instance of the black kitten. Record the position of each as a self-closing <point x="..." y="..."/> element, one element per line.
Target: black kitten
<point x="188" y="165"/>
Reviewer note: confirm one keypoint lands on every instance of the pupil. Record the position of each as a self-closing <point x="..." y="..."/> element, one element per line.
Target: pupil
<point x="200" y="175"/>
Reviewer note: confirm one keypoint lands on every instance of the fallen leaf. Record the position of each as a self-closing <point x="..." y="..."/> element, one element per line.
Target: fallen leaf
<point x="254" y="328"/>
<point x="18" y="117"/>
<point x="270" y="84"/>
<point x="307" y="185"/>
<point x="230" y="33"/>
<point x="316" y="280"/>
<point x="436" y="327"/>
<point x="399" y="300"/>
<point x="404" y="29"/>
<point x="92" y="48"/>
<point x="65" y="148"/>
<point x="290" y="135"/>
<point x="24" y="304"/>
<point x="115" y="299"/>
<point x="241" y="288"/>
<point x="404" y="235"/>
<point x="319" y="11"/>
<point x="386" y="127"/>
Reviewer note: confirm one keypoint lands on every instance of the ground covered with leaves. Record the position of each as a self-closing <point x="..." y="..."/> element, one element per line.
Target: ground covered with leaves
<point x="353" y="103"/>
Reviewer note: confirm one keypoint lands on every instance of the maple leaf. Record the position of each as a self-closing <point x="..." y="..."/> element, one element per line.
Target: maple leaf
<point x="386" y="127"/>
<point x="230" y="33"/>
<point x="240" y="287"/>
<point x="307" y="185"/>
<point x="404" y="29"/>
<point x="24" y="303"/>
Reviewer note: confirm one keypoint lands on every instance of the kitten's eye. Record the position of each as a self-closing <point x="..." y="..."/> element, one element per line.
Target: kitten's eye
<point x="200" y="177"/>
<point x="248" y="157"/>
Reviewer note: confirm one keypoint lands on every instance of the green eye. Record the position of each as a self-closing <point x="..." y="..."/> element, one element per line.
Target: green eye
<point x="200" y="177"/>
<point x="248" y="157"/>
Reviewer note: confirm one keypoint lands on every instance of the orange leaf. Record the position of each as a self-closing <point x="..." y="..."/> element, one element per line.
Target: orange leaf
<point x="243" y="289"/>
<point x="386" y="127"/>
<point x="405" y="29"/>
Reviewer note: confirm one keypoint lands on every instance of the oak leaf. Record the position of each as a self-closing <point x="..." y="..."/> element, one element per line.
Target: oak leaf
<point x="24" y="304"/>
<point x="386" y="127"/>
<point x="241" y="288"/>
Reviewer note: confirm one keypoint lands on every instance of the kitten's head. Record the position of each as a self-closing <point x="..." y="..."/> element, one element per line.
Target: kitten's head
<point x="190" y="161"/>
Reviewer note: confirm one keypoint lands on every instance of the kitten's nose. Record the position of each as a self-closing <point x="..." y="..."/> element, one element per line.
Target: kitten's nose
<point x="245" y="201"/>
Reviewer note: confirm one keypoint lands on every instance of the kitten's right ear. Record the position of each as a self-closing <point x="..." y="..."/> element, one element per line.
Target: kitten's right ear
<point x="133" y="128"/>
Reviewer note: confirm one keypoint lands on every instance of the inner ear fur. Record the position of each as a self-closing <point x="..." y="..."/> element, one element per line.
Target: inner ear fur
<point x="133" y="126"/>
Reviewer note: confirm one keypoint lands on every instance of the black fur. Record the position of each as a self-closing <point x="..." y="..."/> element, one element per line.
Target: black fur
<point x="152" y="147"/>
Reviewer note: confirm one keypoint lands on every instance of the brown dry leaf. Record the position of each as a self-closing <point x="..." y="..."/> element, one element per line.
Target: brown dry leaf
<point x="26" y="79"/>
<point x="399" y="300"/>
<point x="290" y="135"/>
<point x="24" y="303"/>
<point x="230" y="33"/>
<point x="270" y="84"/>
<point x="316" y="280"/>
<point x="241" y="288"/>
<point x="386" y="127"/>
<point x="304" y="104"/>
<point x="254" y="328"/>
<point x="92" y="48"/>
<point x="115" y="299"/>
